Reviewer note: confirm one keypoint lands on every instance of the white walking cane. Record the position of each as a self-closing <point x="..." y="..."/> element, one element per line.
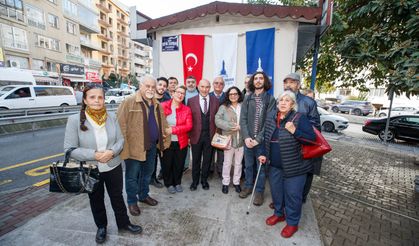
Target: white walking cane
<point x="254" y="188"/>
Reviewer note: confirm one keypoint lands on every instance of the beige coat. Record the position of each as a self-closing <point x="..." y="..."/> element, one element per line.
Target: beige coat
<point x="225" y="119"/>
<point x="130" y="117"/>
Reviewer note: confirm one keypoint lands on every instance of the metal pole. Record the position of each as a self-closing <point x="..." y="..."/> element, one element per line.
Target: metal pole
<point x="391" y="95"/>
<point x="315" y="58"/>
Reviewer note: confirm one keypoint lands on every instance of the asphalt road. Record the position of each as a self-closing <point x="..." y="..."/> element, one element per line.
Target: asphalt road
<point x="23" y="157"/>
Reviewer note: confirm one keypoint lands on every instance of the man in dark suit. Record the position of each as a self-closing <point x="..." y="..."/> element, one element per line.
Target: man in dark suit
<point x="203" y="107"/>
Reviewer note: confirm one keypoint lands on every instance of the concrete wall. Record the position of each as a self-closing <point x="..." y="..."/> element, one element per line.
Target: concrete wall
<point x="170" y="63"/>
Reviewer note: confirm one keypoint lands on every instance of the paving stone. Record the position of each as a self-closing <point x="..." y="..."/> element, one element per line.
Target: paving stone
<point x="363" y="179"/>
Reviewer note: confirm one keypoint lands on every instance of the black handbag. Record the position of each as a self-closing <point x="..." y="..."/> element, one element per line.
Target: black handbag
<point x="71" y="177"/>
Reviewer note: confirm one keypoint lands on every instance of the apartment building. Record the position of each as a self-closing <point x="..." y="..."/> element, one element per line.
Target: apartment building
<point x="113" y="38"/>
<point x="44" y="36"/>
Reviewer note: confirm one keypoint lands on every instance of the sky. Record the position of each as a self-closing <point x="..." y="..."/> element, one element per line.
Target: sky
<point x="159" y="8"/>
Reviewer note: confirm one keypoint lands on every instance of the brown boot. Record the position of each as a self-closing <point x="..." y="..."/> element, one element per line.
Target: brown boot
<point x="245" y="193"/>
<point x="134" y="210"/>
<point x="258" y="199"/>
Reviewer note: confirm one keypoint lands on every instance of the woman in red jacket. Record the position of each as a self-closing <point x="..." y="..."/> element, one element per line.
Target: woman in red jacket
<point x="179" y="117"/>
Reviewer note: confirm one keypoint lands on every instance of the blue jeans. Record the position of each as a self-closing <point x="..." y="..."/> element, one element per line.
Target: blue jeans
<point x="288" y="192"/>
<point x="250" y="171"/>
<point x="138" y="176"/>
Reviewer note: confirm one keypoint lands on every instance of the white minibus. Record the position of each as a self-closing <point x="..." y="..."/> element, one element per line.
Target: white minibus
<point x="33" y="96"/>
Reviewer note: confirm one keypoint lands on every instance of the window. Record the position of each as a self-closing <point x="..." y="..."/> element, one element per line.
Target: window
<point x="73" y="50"/>
<point x="17" y="61"/>
<point x="51" y="91"/>
<point x="110" y="20"/>
<point x="12" y="9"/>
<point x="47" y="43"/>
<point x="53" y="1"/>
<point x="35" y="16"/>
<point x="104" y="59"/>
<point x="111" y="34"/>
<point x="52" y="66"/>
<point x="71" y="28"/>
<point x="14" y="37"/>
<point x="53" y="20"/>
<point x="37" y="64"/>
<point x="70" y="8"/>
<point x="20" y="93"/>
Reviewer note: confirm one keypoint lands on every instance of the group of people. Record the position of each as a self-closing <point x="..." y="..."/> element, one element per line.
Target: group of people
<point x="168" y="121"/>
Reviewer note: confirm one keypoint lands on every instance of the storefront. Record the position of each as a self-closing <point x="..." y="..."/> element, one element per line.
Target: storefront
<point x="46" y="78"/>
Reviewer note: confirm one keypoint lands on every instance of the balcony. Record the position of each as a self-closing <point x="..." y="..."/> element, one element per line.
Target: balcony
<point x="92" y="63"/>
<point x="104" y="37"/>
<point x="14" y="44"/>
<point x="104" y="23"/>
<point x="107" y="64"/>
<point x="123" y="57"/>
<point x="123" y="21"/>
<point x="139" y="61"/>
<point x="105" y="51"/>
<point x="122" y="33"/>
<point x="13" y="14"/>
<point x="88" y="44"/>
<point x="103" y="7"/>
<point x="74" y="58"/>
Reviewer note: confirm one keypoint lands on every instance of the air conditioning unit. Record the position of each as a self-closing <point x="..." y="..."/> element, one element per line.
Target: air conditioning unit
<point x="14" y="63"/>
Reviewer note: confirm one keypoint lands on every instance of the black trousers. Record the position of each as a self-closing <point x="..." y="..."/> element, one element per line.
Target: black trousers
<point x="173" y="162"/>
<point x="154" y="175"/>
<point x="202" y="149"/>
<point x="114" y="184"/>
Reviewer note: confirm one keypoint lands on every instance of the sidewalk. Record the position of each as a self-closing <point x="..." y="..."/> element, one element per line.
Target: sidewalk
<point x="188" y="218"/>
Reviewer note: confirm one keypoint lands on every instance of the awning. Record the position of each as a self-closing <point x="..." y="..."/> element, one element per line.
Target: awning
<point x="77" y="80"/>
<point x="41" y="79"/>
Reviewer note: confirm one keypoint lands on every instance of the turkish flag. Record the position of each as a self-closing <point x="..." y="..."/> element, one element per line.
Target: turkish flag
<point x="193" y="55"/>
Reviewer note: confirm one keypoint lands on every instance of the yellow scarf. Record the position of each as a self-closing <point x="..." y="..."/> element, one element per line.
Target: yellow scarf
<point x="97" y="115"/>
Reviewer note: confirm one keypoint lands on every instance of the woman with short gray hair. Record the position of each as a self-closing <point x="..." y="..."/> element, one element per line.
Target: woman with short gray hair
<point x="285" y="131"/>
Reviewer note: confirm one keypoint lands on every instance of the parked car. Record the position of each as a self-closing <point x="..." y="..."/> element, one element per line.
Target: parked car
<point x="356" y="107"/>
<point x="33" y="96"/>
<point x="403" y="127"/>
<point x="117" y="95"/>
<point x="398" y="111"/>
<point x="331" y="122"/>
<point x="322" y="104"/>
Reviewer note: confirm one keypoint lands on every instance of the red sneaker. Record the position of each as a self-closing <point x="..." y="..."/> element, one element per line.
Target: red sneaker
<point x="288" y="231"/>
<point x="272" y="220"/>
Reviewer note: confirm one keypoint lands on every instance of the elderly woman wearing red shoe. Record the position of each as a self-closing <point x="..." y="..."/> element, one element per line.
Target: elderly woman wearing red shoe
<point x="285" y="131"/>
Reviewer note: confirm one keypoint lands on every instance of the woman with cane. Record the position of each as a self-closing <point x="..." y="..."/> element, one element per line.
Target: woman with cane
<point x="96" y="137"/>
<point x="284" y="133"/>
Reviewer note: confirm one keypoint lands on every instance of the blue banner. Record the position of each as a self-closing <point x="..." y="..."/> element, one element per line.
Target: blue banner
<point x="260" y="52"/>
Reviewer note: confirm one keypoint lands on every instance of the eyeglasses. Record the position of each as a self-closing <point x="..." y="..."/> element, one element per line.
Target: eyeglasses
<point x="93" y="85"/>
<point x="181" y="93"/>
<point x="233" y="94"/>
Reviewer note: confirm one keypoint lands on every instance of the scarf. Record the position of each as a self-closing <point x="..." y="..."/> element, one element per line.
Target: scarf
<point x="98" y="115"/>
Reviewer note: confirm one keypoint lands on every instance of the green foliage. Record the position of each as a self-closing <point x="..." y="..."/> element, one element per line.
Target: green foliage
<point x="374" y="41"/>
<point x="285" y="2"/>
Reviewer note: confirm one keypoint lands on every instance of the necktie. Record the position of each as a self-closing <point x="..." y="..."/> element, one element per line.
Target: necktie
<point x="205" y="105"/>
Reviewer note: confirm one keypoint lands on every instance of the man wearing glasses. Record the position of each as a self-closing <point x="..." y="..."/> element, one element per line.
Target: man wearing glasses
<point x="144" y="127"/>
<point x="218" y="92"/>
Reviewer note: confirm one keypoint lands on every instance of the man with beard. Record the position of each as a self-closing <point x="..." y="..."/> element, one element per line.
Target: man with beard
<point x="191" y="89"/>
<point x="161" y="95"/>
<point x="161" y="89"/>
<point x="308" y="107"/>
<point x="144" y="127"/>
<point x="252" y="126"/>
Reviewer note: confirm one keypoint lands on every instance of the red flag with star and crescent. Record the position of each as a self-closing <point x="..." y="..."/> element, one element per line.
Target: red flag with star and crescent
<point x="193" y="55"/>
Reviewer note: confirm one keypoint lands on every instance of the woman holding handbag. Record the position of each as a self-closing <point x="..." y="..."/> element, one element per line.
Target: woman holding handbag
<point x="285" y="131"/>
<point x="97" y="138"/>
<point x="228" y="120"/>
<point x="179" y="117"/>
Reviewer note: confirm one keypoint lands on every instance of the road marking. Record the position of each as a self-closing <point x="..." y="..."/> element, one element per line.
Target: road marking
<point x="30" y="162"/>
<point x="43" y="182"/>
<point x="6" y="181"/>
<point x="38" y="171"/>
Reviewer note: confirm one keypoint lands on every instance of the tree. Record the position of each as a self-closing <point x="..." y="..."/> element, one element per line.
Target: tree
<point x="372" y="41"/>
